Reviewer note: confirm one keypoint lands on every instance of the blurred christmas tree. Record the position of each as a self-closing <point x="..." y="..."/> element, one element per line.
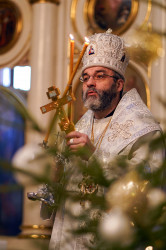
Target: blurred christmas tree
<point x="121" y="208"/>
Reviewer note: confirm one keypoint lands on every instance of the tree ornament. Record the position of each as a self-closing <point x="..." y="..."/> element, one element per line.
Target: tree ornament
<point x="34" y="160"/>
<point x="116" y="227"/>
<point x="155" y="197"/>
<point x="128" y="193"/>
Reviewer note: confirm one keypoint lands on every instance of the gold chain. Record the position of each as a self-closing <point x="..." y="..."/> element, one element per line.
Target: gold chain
<point x="98" y="144"/>
<point x="87" y="186"/>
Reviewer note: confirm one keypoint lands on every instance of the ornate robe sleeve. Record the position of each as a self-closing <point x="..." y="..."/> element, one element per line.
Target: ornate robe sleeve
<point x="138" y="151"/>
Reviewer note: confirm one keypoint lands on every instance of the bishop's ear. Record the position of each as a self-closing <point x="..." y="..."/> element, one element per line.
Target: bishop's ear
<point x="120" y="84"/>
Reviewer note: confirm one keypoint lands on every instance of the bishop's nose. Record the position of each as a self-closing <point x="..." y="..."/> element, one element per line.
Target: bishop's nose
<point x="91" y="82"/>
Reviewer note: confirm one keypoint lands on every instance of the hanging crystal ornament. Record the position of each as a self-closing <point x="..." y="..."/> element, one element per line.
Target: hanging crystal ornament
<point x="144" y="44"/>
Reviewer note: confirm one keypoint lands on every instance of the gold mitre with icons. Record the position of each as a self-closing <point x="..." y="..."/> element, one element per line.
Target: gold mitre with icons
<point x="106" y="50"/>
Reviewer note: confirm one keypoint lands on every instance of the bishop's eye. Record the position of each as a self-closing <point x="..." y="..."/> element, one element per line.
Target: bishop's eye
<point x="99" y="76"/>
<point x="85" y="78"/>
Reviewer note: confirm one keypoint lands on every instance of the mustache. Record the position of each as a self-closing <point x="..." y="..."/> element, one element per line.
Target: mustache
<point x="85" y="93"/>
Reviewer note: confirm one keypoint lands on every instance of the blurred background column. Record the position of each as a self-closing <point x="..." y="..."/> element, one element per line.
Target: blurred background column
<point x="158" y="70"/>
<point x="42" y="62"/>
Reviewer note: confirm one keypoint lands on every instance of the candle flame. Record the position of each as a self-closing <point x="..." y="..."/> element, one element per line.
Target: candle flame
<point x="71" y="37"/>
<point x="86" y="40"/>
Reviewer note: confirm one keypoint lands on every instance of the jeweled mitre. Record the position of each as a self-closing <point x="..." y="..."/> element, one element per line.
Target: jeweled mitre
<point x="106" y="50"/>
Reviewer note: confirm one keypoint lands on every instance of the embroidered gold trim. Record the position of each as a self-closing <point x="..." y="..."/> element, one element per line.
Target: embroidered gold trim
<point x="99" y="141"/>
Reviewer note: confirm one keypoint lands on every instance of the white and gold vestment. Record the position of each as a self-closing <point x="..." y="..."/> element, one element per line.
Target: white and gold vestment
<point x="131" y="122"/>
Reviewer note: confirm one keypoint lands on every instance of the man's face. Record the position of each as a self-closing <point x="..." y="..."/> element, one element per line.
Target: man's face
<point x="98" y="94"/>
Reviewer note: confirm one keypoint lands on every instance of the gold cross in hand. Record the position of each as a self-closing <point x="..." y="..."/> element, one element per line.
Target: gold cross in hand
<point x="57" y="103"/>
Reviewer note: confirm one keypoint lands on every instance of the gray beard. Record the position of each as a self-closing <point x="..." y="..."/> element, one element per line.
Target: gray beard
<point x="102" y="101"/>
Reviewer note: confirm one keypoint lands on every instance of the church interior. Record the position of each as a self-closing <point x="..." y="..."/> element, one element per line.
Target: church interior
<point x="41" y="43"/>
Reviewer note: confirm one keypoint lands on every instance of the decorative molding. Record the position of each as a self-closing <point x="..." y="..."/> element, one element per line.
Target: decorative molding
<point x="35" y="232"/>
<point x="148" y="13"/>
<point x="16" y="46"/>
<point x="34" y="236"/>
<point x="11" y="19"/>
<point x="82" y="15"/>
<point x="45" y="1"/>
<point x="25" y="60"/>
<point x="41" y="227"/>
<point x="122" y="21"/>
